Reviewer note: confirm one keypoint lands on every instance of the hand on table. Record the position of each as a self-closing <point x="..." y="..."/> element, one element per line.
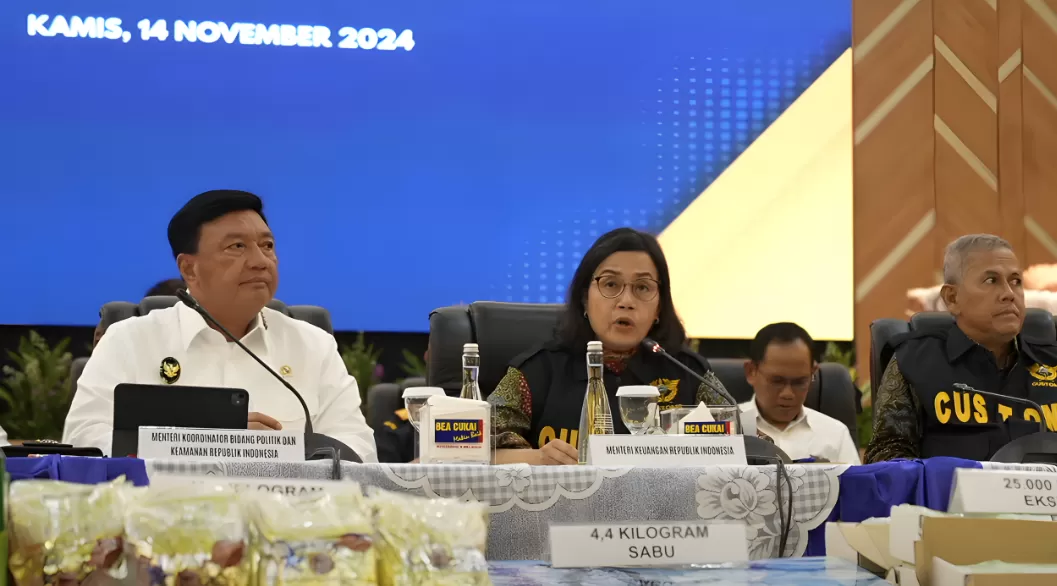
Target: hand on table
<point x="558" y="453"/>
<point x="261" y="421"/>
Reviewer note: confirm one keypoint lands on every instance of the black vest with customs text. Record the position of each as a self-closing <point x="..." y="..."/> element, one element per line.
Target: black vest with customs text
<point x="557" y="380"/>
<point x="970" y="425"/>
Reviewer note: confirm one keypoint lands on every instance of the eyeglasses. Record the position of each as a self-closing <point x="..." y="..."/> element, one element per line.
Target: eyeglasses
<point x="612" y="287"/>
<point x="777" y="383"/>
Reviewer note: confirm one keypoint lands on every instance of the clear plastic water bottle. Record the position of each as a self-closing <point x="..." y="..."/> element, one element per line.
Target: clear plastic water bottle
<point x="596" y="418"/>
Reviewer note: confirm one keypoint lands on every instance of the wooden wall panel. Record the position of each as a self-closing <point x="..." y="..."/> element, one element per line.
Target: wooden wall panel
<point x="965" y="40"/>
<point x="1010" y="124"/>
<point x="955" y="113"/>
<point x="1039" y="111"/>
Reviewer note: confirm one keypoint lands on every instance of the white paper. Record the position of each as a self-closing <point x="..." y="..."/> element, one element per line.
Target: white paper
<point x="647" y="544"/>
<point x="666" y="451"/>
<point x="220" y="444"/>
<point x="700" y="422"/>
<point x="1004" y="491"/>
<point x="905" y="530"/>
<point x="455" y="431"/>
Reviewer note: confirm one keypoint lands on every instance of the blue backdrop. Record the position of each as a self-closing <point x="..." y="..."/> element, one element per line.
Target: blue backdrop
<point x="478" y="165"/>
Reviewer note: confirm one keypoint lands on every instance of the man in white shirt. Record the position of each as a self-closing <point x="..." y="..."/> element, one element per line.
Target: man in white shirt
<point x="226" y="255"/>
<point x="780" y="369"/>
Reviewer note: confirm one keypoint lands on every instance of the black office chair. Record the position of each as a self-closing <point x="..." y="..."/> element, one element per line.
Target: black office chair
<point x="116" y="311"/>
<point x="384" y="399"/>
<point x="503" y="330"/>
<point x="1038" y="324"/>
<point x="832" y="392"/>
<point x="76" y="368"/>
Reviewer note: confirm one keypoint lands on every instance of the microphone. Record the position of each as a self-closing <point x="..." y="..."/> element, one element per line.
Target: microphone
<point x="656" y="348"/>
<point x="1000" y="397"/>
<point x="315" y="444"/>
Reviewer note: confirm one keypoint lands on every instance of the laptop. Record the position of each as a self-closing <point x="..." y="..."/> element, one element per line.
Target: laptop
<point x="138" y="406"/>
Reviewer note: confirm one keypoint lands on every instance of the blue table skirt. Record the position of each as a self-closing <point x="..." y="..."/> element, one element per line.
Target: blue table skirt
<point x="872" y="490"/>
<point x="77" y="469"/>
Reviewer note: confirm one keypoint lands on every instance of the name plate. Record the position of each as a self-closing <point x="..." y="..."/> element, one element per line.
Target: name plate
<point x="666" y="451"/>
<point x="647" y="544"/>
<point x="239" y="484"/>
<point x="706" y="428"/>
<point x="1004" y="491"/>
<point x="220" y="444"/>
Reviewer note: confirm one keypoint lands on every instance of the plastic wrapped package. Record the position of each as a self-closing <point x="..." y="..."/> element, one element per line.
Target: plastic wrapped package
<point x="65" y="533"/>
<point x="187" y="536"/>
<point x="430" y="542"/>
<point x="313" y="539"/>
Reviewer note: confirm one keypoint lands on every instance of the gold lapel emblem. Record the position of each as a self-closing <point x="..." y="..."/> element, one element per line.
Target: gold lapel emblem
<point x="170" y="370"/>
<point x="1043" y="372"/>
<point x="668" y="389"/>
<point x="285" y="370"/>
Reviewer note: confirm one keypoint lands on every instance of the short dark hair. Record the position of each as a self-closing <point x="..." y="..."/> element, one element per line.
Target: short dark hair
<point x="185" y="228"/>
<point x="574" y="330"/>
<point x="166" y="287"/>
<point x="780" y="333"/>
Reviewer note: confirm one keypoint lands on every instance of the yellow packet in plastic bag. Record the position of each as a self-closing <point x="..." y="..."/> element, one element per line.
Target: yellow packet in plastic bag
<point x="430" y="542"/>
<point x="66" y="533"/>
<point x="313" y="539"/>
<point x="192" y="535"/>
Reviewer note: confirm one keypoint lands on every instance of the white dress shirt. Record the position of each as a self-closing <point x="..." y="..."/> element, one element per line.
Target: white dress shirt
<point x="133" y="349"/>
<point x="811" y="435"/>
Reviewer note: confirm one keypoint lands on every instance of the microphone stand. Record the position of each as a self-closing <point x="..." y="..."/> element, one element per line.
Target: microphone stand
<point x="1000" y="397"/>
<point x="1039" y="447"/>
<point x="757" y="450"/>
<point x="658" y="349"/>
<point x="316" y="445"/>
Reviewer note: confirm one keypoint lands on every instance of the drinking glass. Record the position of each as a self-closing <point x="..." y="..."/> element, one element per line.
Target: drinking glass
<point x="415" y="398"/>
<point x="726" y="413"/>
<point x="671" y="417"/>
<point x="638" y="407"/>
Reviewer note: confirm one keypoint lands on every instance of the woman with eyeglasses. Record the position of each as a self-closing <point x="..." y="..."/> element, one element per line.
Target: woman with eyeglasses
<point x="620" y="295"/>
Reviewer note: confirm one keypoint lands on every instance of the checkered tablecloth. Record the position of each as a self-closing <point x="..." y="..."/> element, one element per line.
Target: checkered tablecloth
<point x="525" y="500"/>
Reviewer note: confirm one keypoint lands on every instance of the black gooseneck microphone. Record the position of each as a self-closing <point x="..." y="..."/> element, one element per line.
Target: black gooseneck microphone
<point x="758" y="452"/>
<point x="1006" y="398"/>
<point x="656" y="348"/>
<point x="316" y="445"/>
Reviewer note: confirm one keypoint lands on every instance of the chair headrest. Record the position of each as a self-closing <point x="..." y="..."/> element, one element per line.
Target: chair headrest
<point x="1038" y="323"/>
<point x="931" y="319"/>
<point x="507" y="330"/>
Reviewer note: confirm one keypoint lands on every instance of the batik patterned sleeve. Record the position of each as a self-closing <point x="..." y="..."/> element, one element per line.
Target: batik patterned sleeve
<point x="897" y="419"/>
<point x="710" y="392"/>
<point x="512" y="401"/>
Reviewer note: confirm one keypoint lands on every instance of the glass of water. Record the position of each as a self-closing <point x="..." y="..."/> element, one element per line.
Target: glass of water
<point x="671" y="417"/>
<point x="638" y="407"/>
<point x="415" y="398"/>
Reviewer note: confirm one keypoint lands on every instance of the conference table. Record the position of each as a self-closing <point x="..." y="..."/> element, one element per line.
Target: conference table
<point x="524" y="501"/>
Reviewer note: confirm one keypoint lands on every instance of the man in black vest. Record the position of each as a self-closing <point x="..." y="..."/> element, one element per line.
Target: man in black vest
<point x="918" y="410"/>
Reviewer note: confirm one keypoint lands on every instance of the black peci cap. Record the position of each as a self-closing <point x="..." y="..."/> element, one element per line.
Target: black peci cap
<point x="185" y="227"/>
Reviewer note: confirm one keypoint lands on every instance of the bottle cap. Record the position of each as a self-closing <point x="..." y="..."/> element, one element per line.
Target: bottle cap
<point x="470" y="349"/>
<point x="594" y="346"/>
